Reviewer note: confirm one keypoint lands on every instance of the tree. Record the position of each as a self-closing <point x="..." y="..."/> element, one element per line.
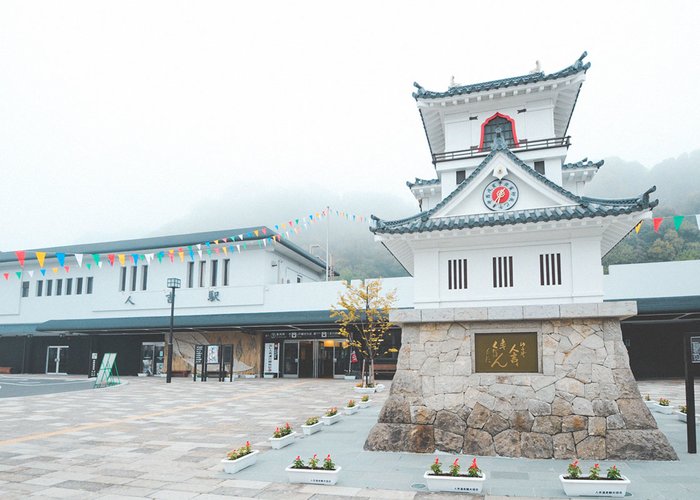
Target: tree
<point x="363" y="315"/>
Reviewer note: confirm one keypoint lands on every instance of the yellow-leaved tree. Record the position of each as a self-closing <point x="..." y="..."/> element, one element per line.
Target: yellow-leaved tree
<point x="362" y="312"/>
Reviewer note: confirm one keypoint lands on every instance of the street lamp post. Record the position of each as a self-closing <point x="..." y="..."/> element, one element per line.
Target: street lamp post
<point x="173" y="283"/>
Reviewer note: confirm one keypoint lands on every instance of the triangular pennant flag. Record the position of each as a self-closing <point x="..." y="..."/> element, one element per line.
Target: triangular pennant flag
<point x="20" y="257"/>
<point x="677" y="221"/>
<point x="88" y="265"/>
<point x="264" y="242"/>
<point x="264" y="230"/>
<point x="181" y="253"/>
<point x="31" y="274"/>
<point x="225" y="250"/>
<point x="238" y="247"/>
<point x="657" y="223"/>
<point x="79" y="258"/>
<point x="67" y="268"/>
<point x="240" y="236"/>
<point x="697" y="219"/>
<point x="19" y="275"/>
<point x="171" y="254"/>
<point x="40" y="256"/>
<point x="96" y="258"/>
<point x="256" y="232"/>
<point x="43" y="272"/>
<point x="245" y="246"/>
<point x="199" y="252"/>
<point x="110" y="257"/>
<point x="191" y="253"/>
<point x="199" y="246"/>
<point x="135" y="258"/>
<point x="216" y="250"/>
<point x="99" y="264"/>
<point x="160" y="255"/>
<point x="54" y="269"/>
<point x="122" y="259"/>
<point x="61" y="258"/>
<point x="638" y="227"/>
<point x="149" y="257"/>
<point x="6" y="275"/>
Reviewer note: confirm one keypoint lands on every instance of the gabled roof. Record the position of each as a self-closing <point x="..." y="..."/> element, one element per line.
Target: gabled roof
<point x="580" y="208"/>
<point x="576" y="67"/>
<point x="423" y="182"/>
<point x="585" y="163"/>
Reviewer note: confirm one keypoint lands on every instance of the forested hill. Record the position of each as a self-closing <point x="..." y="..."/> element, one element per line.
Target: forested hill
<point x="678" y="191"/>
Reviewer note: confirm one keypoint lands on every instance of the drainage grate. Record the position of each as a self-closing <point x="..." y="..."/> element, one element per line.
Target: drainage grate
<point x="418" y="486"/>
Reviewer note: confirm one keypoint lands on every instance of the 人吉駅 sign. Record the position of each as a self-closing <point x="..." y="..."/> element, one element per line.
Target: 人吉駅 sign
<point x="506" y="352"/>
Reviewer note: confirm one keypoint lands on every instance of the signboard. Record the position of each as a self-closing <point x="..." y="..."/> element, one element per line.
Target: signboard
<point x="695" y="350"/>
<point x="93" y="365"/>
<point x="198" y="354"/>
<point x="213" y="354"/>
<point x="272" y="360"/>
<point x="105" y="376"/>
<point x="304" y="335"/>
<point x="506" y="353"/>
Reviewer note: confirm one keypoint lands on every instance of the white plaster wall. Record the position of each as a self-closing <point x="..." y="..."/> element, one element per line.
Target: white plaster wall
<point x="655" y="279"/>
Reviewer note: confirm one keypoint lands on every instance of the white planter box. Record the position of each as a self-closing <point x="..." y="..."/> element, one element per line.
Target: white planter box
<point x="350" y="410"/>
<point x="233" y="466"/>
<point x="364" y="390"/>
<point x="350" y="377"/>
<point x="250" y="376"/>
<point x="650" y="404"/>
<point x="454" y="483"/>
<point x="665" y="410"/>
<point x="331" y="420"/>
<point x="311" y="429"/>
<point x="595" y="487"/>
<point x="365" y="404"/>
<point x="278" y="443"/>
<point x="379" y="388"/>
<point x="315" y="476"/>
<point x="683" y="417"/>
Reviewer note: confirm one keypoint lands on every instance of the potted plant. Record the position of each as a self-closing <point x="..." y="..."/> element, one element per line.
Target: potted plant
<point x="331" y="416"/>
<point x="365" y="389"/>
<point x="648" y="401"/>
<point x="471" y="482"/>
<point x="351" y="407"/>
<point x="299" y="472"/>
<point x="663" y="406"/>
<point x="365" y="402"/>
<point x="282" y="437"/>
<point x="312" y="425"/>
<point x="240" y="459"/>
<point x="613" y="484"/>
<point x="682" y="413"/>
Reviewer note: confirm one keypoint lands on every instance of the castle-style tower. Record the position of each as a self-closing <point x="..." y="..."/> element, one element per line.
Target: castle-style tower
<point x="510" y="349"/>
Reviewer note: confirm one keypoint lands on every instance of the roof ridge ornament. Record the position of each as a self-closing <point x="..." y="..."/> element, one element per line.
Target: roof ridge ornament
<point x="500" y="171"/>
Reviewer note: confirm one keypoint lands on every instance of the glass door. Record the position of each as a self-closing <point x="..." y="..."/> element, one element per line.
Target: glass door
<point x="306" y="358"/>
<point x="326" y="358"/>
<point x="56" y="359"/>
<point x="152" y="355"/>
<point x="342" y="358"/>
<point x="290" y="359"/>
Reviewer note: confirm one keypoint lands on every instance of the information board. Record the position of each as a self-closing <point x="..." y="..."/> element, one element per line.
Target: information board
<point x="272" y="360"/>
<point x="695" y="349"/>
<point x="506" y="352"/>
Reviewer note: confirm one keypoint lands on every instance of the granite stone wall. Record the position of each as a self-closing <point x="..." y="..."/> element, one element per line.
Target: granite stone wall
<point x="584" y="402"/>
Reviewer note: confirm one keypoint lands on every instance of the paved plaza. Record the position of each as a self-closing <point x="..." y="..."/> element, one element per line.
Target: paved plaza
<point x="147" y="439"/>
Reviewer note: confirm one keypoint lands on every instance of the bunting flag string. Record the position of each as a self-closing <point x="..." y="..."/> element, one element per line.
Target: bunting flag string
<point x="292" y="227"/>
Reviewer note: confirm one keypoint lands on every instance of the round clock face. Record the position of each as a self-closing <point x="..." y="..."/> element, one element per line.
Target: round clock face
<point x="500" y="195"/>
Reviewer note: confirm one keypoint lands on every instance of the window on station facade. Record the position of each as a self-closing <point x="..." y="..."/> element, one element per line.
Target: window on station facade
<point x="25" y="289"/>
<point x="461" y="175"/>
<point x="88" y="286"/>
<point x="502" y="272"/>
<point x="498" y="125"/>
<point x="226" y="272"/>
<point x="78" y="286"/>
<point x="202" y="272"/>
<point x="59" y="287"/>
<point x="190" y="274"/>
<point x="134" y="274"/>
<point x="49" y="288"/>
<point x="539" y="167"/>
<point x="122" y="279"/>
<point x="214" y="272"/>
<point x="457" y="274"/>
<point x="39" y="288"/>
<point x="550" y="269"/>
<point x="69" y="286"/>
<point x="144" y="277"/>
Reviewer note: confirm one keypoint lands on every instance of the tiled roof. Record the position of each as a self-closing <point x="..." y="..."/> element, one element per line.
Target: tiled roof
<point x="423" y="182"/>
<point x="581" y="207"/>
<point x="577" y="67"/>
<point x="585" y="163"/>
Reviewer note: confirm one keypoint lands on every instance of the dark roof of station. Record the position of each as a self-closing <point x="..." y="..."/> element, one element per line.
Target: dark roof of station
<point x="423" y="182"/>
<point x="539" y="76"/>
<point x="585" y="163"/>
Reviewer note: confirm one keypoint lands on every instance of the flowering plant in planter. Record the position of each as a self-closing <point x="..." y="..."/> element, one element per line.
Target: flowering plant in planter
<point x="647" y="398"/>
<point x="351" y="403"/>
<point x="313" y="473"/>
<point x="683" y="408"/>
<point x="331" y="411"/>
<point x="614" y="484"/>
<point x="311" y="421"/>
<point x="453" y="480"/>
<point x="311" y="426"/>
<point x="240" y="458"/>
<point x="284" y="431"/>
<point x="364" y="399"/>
<point x="664" y="402"/>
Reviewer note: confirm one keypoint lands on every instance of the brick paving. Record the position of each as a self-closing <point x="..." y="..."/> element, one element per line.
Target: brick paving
<point x="147" y="439"/>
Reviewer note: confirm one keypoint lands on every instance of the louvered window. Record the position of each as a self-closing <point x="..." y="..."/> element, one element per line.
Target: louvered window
<point x="502" y="272"/>
<point x="457" y="274"/>
<point x="550" y="269"/>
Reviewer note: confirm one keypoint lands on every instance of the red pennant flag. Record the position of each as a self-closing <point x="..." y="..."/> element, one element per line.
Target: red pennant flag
<point x="67" y="268"/>
<point x="264" y="230"/>
<point x="657" y="223"/>
<point x="110" y="257"/>
<point x="6" y="275"/>
<point x="20" y="257"/>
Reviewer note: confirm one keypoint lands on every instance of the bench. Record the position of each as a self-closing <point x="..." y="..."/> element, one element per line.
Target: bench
<point x="385" y="369"/>
<point x="5" y="370"/>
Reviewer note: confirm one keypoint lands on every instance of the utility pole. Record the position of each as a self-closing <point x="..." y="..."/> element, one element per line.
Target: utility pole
<point x="328" y="223"/>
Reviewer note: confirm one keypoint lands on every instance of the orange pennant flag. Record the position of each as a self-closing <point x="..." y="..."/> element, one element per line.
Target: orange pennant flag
<point x="40" y="256"/>
<point x="122" y="258"/>
<point x="638" y="227"/>
<point x="55" y="270"/>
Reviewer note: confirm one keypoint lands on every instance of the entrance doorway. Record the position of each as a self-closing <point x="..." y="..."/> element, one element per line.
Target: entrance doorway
<point x="152" y="356"/>
<point x="315" y="358"/>
<point x="56" y="359"/>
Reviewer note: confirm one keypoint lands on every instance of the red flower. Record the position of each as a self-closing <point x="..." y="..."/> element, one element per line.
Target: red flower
<point x="298" y="457"/>
<point x="474" y="462"/>
<point x="437" y="460"/>
<point x="456" y="462"/>
<point x="247" y="443"/>
<point x="328" y="457"/>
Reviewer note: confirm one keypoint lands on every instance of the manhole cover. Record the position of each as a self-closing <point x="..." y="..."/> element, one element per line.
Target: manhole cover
<point x="418" y="486"/>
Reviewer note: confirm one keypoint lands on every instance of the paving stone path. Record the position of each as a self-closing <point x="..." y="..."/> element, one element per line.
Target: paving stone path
<point x="147" y="439"/>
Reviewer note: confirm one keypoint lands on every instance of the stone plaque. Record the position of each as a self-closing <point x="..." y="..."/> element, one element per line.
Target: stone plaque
<point x="506" y="352"/>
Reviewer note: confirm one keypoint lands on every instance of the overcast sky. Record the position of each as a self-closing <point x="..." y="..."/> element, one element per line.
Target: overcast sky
<point x="117" y="119"/>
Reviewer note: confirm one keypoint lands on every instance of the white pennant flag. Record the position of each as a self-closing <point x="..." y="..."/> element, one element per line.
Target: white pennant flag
<point x="99" y="264"/>
<point x="79" y="258"/>
<point x="697" y="218"/>
<point x="199" y="247"/>
<point x="200" y="253"/>
<point x="149" y="257"/>
<point x="264" y="242"/>
<point x="238" y="247"/>
<point x="31" y="274"/>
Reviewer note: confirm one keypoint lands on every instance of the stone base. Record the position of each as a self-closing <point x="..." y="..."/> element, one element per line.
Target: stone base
<point x="584" y="402"/>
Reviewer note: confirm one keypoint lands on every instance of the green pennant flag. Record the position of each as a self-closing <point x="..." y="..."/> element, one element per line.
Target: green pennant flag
<point x="677" y="221"/>
<point x="96" y="258"/>
<point x="19" y="275"/>
<point x="88" y="265"/>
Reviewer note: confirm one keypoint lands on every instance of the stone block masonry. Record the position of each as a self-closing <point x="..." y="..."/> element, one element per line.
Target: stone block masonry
<point x="583" y="402"/>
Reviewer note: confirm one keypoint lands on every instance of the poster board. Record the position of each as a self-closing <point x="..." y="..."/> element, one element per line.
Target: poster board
<point x="272" y="360"/>
<point x="107" y="375"/>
